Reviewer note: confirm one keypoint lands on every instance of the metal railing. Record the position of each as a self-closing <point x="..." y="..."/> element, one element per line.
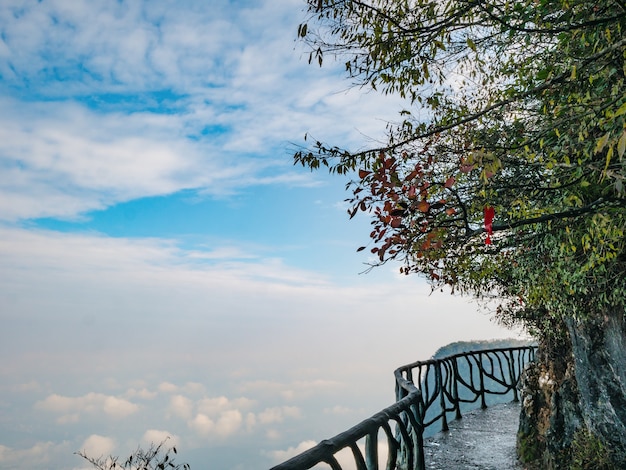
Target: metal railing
<point x="427" y="392"/>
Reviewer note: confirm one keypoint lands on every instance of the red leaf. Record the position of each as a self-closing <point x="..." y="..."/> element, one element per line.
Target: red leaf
<point x="423" y="206"/>
<point x="388" y="163"/>
<point x="363" y="173"/>
<point x="449" y="182"/>
<point x="411" y="176"/>
<point x="451" y="211"/>
<point x="396" y="222"/>
<point x="466" y="168"/>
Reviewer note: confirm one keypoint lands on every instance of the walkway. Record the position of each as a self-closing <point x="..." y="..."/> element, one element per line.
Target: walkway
<point x="481" y="440"/>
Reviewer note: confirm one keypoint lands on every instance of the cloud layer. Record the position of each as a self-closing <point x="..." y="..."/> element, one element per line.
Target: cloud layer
<point x="105" y="103"/>
<point x="243" y="342"/>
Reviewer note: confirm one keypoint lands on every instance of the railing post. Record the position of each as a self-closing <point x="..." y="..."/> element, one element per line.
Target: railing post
<point x="483" y="403"/>
<point x="455" y="389"/>
<point x="442" y="396"/>
<point x="512" y="374"/>
<point x="371" y="451"/>
<point x="404" y="451"/>
<point x="418" y="440"/>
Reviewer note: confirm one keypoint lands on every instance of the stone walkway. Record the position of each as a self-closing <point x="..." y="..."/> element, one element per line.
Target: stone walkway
<point x="481" y="440"/>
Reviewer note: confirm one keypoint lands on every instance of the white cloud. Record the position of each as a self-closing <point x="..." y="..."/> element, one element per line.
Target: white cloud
<point x="216" y="68"/>
<point x="62" y="160"/>
<point x="96" y="446"/>
<point x="146" y="261"/>
<point x="292" y="390"/>
<point x="38" y="455"/>
<point x="279" y="456"/>
<point x="202" y="424"/>
<point x="194" y="388"/>
<point x="228" y="423"/>
<point x="167" y="387"/>
<point x="156" y="437"/>
<point x="213" y="406"/>
<point x="181" y="406"/>
<point x="119" y="407"/>
<point x="117" y="44"/>
<point x="69" y="407"/>
<point x="142" y="393"/>
<point x="278" y="414"/>
<point x="68" y="418"/>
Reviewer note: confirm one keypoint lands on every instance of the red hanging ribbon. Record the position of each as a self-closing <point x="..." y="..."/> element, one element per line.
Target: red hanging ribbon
<point x="489" y="213"/>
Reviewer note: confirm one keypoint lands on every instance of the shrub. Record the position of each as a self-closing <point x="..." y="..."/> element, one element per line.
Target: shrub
<point x="156" y="457"/>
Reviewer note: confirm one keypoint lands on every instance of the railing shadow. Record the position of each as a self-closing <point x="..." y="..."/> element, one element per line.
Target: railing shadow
<point x="427" y="392"/>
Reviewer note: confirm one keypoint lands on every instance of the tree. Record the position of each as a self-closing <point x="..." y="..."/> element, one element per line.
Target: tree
<point x="156" y="457"/>
<point x="504" y="177"/>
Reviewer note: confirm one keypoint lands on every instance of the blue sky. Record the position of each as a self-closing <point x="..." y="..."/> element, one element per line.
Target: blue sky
<point x="164" y="268"/>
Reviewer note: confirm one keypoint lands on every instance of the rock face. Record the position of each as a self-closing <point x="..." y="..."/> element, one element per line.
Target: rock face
<point x="574" y="399"/>
<point x="550" y="414"/>
<point x="599" y="351"/>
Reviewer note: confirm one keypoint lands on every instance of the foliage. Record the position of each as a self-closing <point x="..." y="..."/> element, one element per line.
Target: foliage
<point x="529" y="447"/>
<point x="589" y="453"/>
<point x="505" y="175"/>
<point x="156" y="457"/>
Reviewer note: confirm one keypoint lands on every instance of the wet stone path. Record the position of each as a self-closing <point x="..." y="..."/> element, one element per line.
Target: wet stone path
<point x="481" y="440"/>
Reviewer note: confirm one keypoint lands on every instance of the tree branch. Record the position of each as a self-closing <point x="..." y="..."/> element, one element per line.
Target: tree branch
<point x="594" y="206"/>
<point x="562" y="29"/>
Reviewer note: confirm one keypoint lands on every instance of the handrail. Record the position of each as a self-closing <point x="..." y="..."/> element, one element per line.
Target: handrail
<point x="443" y="390"/>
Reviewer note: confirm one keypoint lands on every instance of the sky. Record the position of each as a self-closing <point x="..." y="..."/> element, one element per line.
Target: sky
<point x="165" y="269"/>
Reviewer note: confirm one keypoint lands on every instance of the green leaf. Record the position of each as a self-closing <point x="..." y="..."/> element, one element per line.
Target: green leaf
<point x="601" y="143"/>
<point x="543" y="74"/>
<point x="609" y="155"/>
<point x="471" y="44"/>
<point x="621" y="110"/>
<point x="621" y="145"/>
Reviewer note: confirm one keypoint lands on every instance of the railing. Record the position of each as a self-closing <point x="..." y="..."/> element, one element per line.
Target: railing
<point x="447" y="388"/>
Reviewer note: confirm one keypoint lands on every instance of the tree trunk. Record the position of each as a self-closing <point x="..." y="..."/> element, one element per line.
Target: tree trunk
<point x="574" y="398"/>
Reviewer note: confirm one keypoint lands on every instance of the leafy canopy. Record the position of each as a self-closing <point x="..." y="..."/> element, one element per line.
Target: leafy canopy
<point x="505" y="175"/>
